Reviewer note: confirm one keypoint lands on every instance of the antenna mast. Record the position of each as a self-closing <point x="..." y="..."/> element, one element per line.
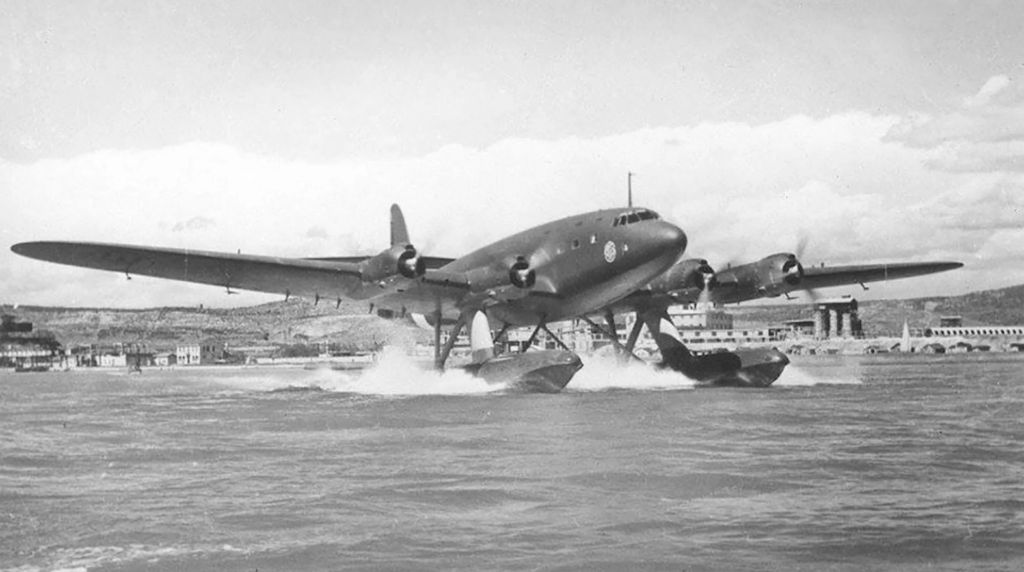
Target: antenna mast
<point x="629" y="187"/>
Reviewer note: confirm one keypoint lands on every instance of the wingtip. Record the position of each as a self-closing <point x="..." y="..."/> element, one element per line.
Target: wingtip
<point x="22" y="248"/>
<point x="34" y="249"/>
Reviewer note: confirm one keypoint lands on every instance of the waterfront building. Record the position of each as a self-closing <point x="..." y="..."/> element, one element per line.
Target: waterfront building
<point x="112" y="360"/>
<point x="837" y="318"/>
<point x="700" y="317"/>
<point x="974" y="331"/>
<point x="165" y="359"/>
<point x="196" y="353"/>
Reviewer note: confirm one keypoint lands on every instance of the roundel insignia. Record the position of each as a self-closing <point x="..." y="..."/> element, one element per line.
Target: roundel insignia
<point x="609" y="252"/>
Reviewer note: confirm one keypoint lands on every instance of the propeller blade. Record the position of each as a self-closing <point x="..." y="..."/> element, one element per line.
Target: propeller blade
<point x="801" y="244"/>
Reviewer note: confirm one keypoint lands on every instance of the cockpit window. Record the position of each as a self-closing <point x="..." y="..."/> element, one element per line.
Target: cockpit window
<point x="633" y="216"/>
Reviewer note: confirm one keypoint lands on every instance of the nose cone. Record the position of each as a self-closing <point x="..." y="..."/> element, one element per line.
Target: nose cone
<point x="672" y="237"/>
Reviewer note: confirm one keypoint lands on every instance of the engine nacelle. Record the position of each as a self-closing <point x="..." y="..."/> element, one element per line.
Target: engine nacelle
<point x="685" y="275"/>
<point x="521" y="275"/>
<point x="779" y="274"/>
<point x="515" y="272"/>
<point x="399" y="260"/>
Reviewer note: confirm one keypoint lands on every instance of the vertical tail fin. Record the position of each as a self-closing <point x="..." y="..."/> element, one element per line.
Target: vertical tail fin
<point x="399" y="234"/>
<point x="480" y="338"/>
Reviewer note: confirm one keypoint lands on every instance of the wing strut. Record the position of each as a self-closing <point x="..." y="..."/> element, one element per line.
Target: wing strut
<point x="502" y="331"/>
<point x="438" y="362"/>
<point x="634" y="335"/>
<point x="623" y="353"/>
<point x="533" y="336"/>
<point x="554" y="337"/>
<point x="453" y="336"/>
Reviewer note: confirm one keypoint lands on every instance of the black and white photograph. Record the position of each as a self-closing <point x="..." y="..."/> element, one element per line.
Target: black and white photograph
<point x="511" y="285"/>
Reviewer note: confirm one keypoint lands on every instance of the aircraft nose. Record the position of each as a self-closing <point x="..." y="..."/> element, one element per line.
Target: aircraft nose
<point x="673" y="237"/>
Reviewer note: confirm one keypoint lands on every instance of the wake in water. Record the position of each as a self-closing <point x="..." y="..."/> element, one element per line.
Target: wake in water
<point x="396" y="374"/>
<point x="794" y="376"/>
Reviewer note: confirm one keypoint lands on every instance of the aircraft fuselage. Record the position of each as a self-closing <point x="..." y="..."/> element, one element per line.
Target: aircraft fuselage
<point x="581" y="263"/>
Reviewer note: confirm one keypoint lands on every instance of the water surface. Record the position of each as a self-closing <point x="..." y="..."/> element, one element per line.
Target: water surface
<point x="868" y="463"/>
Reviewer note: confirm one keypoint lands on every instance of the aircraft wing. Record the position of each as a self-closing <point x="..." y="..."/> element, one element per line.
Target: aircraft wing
<point x="300" y="277"/>
<point x="431" y="262"/>
<point x="305" y="277"/>
<point x="826" y="276"/>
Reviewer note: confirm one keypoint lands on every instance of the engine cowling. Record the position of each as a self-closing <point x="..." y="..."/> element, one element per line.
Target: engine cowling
<point x="782" y="273"/>
<point x="686" y="275"/>
<point x="514" y="272"/>
<point x="410" y="264"/>
<point x="399" y="260"/>
<point x="521" y="275"/>
<point x="792" y="271"/>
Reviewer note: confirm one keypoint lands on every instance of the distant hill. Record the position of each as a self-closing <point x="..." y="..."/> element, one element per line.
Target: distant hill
<point x="1002" y="307"/>
<point x="351" y="322"/>
<point x="284" y="322"/>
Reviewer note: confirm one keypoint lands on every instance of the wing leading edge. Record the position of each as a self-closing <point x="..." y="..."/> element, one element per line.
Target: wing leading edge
<point x="824" y="276"/>
<point x="293" y="276"/>
<point x="304" y="277"/>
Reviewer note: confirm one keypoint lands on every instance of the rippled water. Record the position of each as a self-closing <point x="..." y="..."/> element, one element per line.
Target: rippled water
<point x="846" y="464"/>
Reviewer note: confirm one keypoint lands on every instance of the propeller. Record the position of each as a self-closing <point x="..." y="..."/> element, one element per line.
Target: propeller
<point x="520" y="274"/>
<point x="792" y="271"/>
<point x="706" y="279"/>
<point x="410" y="264"/>
<point x="801" y="246"/>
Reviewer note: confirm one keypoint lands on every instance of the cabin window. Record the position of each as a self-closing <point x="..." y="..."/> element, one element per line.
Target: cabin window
<point x="575" y="243"/>
<point x="593" y="239"/>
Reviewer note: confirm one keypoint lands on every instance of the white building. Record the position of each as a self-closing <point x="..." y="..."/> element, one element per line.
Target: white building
<point x="199" y="353"/>
<point x="698" y="316"/>
<point x="112" y="360"/>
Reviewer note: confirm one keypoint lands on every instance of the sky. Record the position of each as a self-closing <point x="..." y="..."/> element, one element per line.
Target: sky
<point x="876" y="131"/>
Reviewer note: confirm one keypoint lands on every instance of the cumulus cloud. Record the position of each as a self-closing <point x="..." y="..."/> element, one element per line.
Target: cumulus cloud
<point x="985" y="134"/>
<point x="993" y="86"/>
<point x="740" y="192"/>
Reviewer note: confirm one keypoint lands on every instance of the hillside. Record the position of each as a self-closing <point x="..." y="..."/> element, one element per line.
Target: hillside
<point x="1002" y="307"/>
<point x="284" y="322"/>
<point x="351" y="323"/>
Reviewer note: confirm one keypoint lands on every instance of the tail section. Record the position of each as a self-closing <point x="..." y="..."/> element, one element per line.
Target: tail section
<point x="399" y="233"/>
<point x="480" y="338"/>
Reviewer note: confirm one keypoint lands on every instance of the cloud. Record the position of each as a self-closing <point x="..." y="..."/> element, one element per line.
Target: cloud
<point x="993" y="86"/>
<point x="194" y="223"/>
<point x="317" y="232"/>
<point x="740" y="191"/>
<point x="985" y="134"/>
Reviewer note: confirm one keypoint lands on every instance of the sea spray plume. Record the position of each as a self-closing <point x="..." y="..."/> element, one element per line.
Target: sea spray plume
<point x="604" y="372"/>
<point x="396" y="374"/>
